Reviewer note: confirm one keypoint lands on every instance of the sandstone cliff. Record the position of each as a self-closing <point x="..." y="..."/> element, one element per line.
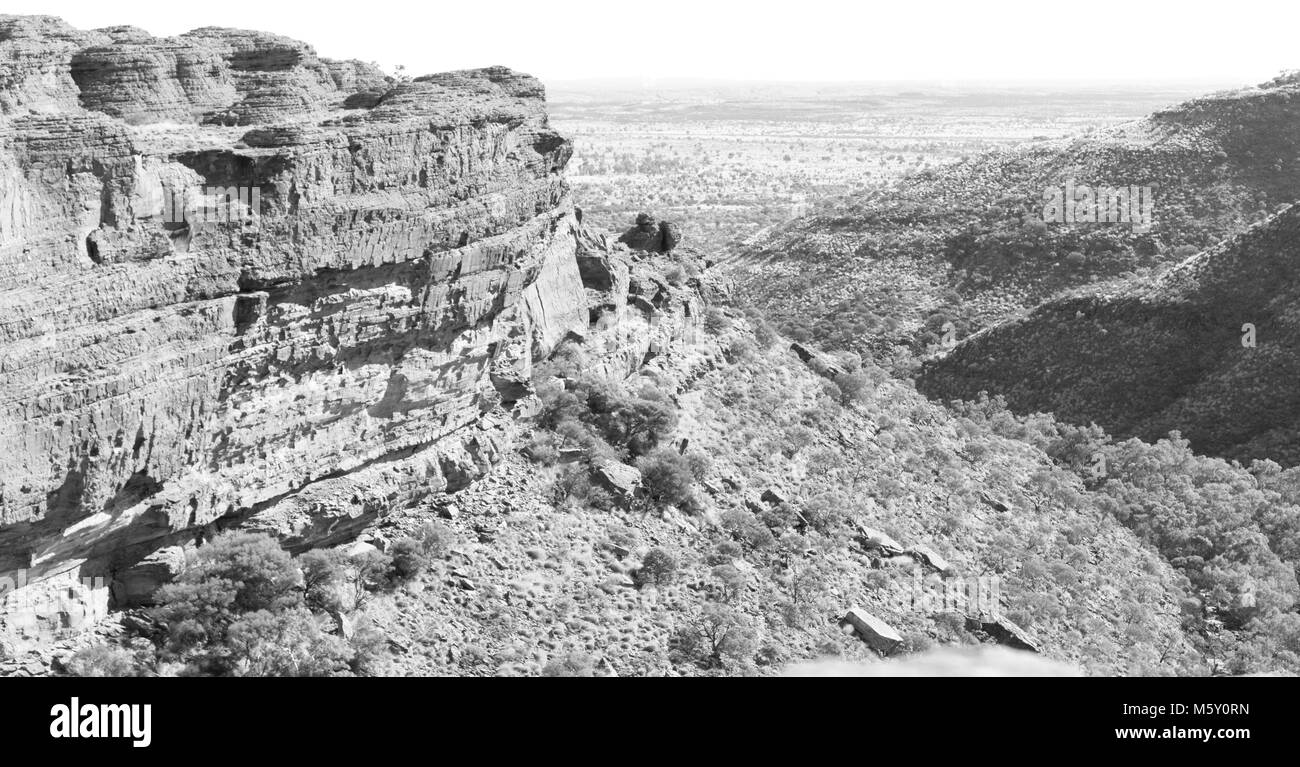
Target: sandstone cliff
<point x="395" y="255"/>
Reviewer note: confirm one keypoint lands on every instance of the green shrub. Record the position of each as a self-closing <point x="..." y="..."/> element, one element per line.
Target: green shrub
<point x="716" y="321"/>
<point x="667" y="479"/>
<point x="658" y="568"/>
<point x="324" y="572"/>
<point x="240" y="609"/>
<point x="748" y="529"/>
<point x="575" y="663"/>
<point x="853" y="387"/>
<point x="103" y="661"/>
<point x="285" y="643"/>
<point x="409" y="558"/>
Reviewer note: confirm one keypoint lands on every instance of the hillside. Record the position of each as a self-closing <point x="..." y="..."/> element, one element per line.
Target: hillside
<point x="771" y="493"/>
<point x="1170" y="353"/>
<point x="966" y="243"/>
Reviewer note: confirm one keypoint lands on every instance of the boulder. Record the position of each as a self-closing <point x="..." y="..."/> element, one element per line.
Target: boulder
<point x="618" y="478"/>
<point x="135" y="586"/>
<point x="820" y="363"/>
<point x="644" y="236"/>
<point x="651" y="235"/>
<point x="997" y="504"/>
<point x="1004" y="631"/>
<point x="359" y="549"/>
<point x="672" y="235"/>
<point x="871" y="538"/>
<point x="929" y="556"/>
<point x="878" y="635"/>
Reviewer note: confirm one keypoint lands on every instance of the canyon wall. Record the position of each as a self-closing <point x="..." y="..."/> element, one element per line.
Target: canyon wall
<point x="244" y="284"/>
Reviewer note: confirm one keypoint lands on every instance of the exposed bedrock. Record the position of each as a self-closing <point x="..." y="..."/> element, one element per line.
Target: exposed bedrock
<point x="321" y="346"/>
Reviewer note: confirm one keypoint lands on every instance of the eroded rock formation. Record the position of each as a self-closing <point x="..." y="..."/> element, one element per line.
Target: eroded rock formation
<point x="394" y="257"/>
<point x="651" y="234"/>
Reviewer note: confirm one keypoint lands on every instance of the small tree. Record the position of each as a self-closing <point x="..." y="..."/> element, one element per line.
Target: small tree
<point x="324" y="572"/>
<point x="239" y="609"/>
<point x="409" y="559"/>
<point x="667" y="478"/>
<point x="657" y="568"/>
<point x="853" y="387"/>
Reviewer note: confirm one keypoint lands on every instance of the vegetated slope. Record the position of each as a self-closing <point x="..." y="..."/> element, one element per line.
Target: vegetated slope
<point x="1150" y="572"/>
<point x="967" y="243"/>
<point x="1147" y="357"/>
<point x="767" y="483"/>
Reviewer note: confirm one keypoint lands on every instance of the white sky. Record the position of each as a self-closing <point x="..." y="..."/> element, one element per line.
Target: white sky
<point x="1244" y="41"/>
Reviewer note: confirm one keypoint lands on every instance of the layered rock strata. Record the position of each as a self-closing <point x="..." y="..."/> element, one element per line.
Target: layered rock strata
<point x="243" y="284"/>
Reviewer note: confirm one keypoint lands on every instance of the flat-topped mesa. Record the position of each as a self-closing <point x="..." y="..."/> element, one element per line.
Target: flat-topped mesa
<point x="320" y="349"/>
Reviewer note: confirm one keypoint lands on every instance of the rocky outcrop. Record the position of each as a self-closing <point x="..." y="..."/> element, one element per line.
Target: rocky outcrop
<point x="221" y="76"/>
<point x="650" y="234"/>
<point x="330" y="339"/>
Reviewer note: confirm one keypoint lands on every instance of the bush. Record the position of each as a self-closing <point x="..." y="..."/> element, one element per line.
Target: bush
<point x="240" y="609"/>
<point x="667" y="478"/>
<point x="235" y="573"/>
<point x="740" y="350"/>
<point x="324" y="572"/>
<point x="412" y="555"/>
<point x="285" y="643"/>
<point x="571" y="483"/>
<point x="853" y="387"/>
<point x="715" y="321"/>
<point x="595" y="414"/>
<point x="571" y="664"/>
<point x="722" y="633"/>
<point x="103" y="661"/>
<point x="409" y="558"/>
<point x="437" y="539"/>
<point x="370" y="649"/>
<point x="657" y="568"/>
<point x="370" y="572"/>
<point x="748" y="529"/>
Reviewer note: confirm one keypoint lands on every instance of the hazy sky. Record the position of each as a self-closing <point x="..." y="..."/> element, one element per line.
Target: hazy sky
<point x="1244" y="41"/>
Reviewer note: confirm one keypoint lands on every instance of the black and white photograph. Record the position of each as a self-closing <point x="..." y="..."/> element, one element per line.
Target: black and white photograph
<point x="847" y="340"/>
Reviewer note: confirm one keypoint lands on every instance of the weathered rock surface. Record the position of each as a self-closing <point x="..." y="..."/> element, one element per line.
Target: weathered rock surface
<point x="325" y="351"/>
<point x="1004" y="631"/>
<point x="880" y="636"/>
<point x="618" y="478"/>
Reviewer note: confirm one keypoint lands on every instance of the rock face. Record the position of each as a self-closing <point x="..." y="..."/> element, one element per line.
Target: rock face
<point x="323" y="347"/>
